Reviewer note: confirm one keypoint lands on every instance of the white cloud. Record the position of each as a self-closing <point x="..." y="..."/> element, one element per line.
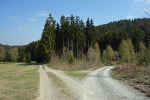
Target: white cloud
<point x="68" y="15"/>
<point x="32" y="19"/>
<point x="129" y="17"/>
<point x="147" y="10"/>
<point x="146" y="1"/>
<point x="21" y="28"/>
<point x="42" y="13"/>
<point x="13" y="17"/>
<point x="138" y="0"/>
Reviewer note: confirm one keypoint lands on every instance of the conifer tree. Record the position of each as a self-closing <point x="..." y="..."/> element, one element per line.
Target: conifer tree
<point x="28" y="57"/>
<point x="92" y="32"/>
<point x="47" y="42"/>
<point x="57" y="40"/>
<point x="82" y="37"/>
<point x="87" y="33"/>
<point x="62" y="30"/>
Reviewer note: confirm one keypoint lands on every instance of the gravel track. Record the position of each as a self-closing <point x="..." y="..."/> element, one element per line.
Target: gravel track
<point x="46" y="91"/>
<point x="97" y="85"/>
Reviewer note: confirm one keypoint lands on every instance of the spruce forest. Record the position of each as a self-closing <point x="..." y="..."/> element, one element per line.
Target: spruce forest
<point x="71" y="40"/>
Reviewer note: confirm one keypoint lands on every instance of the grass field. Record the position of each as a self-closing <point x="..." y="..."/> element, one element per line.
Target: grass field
<point x="18" y="81"/>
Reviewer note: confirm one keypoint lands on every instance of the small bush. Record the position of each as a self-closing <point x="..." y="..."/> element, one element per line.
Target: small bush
<point x="71" y="57"/>
<point x="104" y="59"/>
<point x="91" y="55"/>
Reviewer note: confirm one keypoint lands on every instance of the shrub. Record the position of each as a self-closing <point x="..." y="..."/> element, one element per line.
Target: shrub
<point x="71" y="57"/>
<point x="91" y="55"/>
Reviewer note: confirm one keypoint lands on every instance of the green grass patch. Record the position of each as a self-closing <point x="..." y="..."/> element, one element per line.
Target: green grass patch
<point x="58" y="83"/>
<point x="78" y="69"/>
<point x="77" y="74"/>
<point x="19" y="81"/>
<point x="81" y="72"/>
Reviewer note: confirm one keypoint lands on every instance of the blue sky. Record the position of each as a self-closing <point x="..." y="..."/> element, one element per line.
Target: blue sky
<point x="22" y="21"/>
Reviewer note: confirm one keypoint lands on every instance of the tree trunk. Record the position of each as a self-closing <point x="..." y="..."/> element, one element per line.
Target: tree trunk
<point x="82" y="54"/>
<point x="68" y="49"/>
<point x="88" y="44"/>
<point x="77" y="48"/>
<point x="72" y="44"/>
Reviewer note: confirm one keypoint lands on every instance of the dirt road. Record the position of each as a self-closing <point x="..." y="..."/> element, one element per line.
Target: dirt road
<point x="98" y="85"/>
<point x="46" y="91"/>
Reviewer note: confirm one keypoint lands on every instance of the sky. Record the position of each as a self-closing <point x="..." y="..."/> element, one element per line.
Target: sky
<point x="22" y="21"/>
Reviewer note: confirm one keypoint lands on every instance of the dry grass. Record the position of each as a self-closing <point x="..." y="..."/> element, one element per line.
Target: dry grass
<point x="58" y="83"/>
<point x="78" y="69"/>
<point x="19" y="81"/>
<point x="136" y="75"/>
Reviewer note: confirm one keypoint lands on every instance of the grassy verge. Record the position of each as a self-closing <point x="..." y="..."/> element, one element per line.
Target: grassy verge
<point x="78" y="69"/>
<point x="19" y="81"/>
<point x="58" y="83"/>
<point x="134" y="75"/>
<point x="43" y="67"/>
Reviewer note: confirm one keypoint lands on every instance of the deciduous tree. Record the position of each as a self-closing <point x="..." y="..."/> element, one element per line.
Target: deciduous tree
<point x="2" y="54"/>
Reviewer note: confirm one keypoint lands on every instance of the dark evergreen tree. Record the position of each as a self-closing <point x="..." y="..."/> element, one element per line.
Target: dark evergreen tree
<point x="47" y="42"/>
<point x="28" y="57"/>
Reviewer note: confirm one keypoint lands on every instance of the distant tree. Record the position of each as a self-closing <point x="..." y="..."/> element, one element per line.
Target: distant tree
<point x="131" y="49"/>
<point x="104" y="56"/>
<point x="109" y="51"/>
<point x="11" y="53"/>
<point x="2" y="54"/>
<point x="15" y="54"/>
<point x="124" y="51"/>
<point x="97" y="51"/>
<point x="142" y="49"/>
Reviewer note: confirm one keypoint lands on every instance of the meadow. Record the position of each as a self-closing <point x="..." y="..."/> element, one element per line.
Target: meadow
<point x="19" y="81"/>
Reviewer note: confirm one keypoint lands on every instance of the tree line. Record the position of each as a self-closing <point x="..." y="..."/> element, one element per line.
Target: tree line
<point x="71" y="39"/>
<point x="18" y="53"/>
<point x="71" y="34"/>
